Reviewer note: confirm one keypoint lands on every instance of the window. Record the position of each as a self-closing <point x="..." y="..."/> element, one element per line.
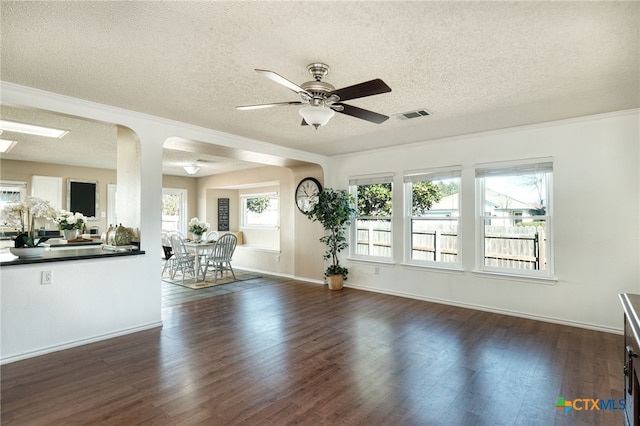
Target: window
<point x="260" y="210"/>
<point x="174" y="210"/>
<point x="515" y="218"/>
<point x="432" y="216"/>
<point x="10" y="192"/>
<point x="372" y="231"/>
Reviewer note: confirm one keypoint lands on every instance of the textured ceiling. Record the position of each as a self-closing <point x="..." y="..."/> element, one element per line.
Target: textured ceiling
<point x="475" y="65"/>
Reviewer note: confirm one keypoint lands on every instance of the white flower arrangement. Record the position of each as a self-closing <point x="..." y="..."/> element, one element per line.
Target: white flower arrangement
<point x="68" y="220"/>
<point x="21" y="215"/>
<point x="197" y="226"/>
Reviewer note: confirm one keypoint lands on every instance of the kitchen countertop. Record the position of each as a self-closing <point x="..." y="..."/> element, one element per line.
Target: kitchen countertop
<point x="79" y="243"/>
<point x="7" y="259"/>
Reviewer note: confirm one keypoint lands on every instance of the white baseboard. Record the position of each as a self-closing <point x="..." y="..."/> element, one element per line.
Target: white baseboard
<point x="277" y="274"/>
<point x="553" y="320"/>
<point x="310" y="280"/>
<point x="69" y="345"/>
<point x="262" y="271"/>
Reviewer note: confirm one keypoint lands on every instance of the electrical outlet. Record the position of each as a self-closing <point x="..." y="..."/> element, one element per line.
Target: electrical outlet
<point x="376" y="271"/>
<point x="278" y="258"/>
<point x="46" y="277"/>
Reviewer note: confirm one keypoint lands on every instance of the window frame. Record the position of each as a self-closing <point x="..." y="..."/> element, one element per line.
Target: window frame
<point x="11" y="191"/>
<point x="515" y="168"/>
<point x="13" y="187"/>
<point x="243" y="210"/>
<point x="431" y="175"/>
<point x="182" y="218"/>
<point x="354" y="183"/>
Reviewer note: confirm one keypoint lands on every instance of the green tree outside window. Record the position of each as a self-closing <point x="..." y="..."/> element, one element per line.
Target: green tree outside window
<point x="258" y="205"/>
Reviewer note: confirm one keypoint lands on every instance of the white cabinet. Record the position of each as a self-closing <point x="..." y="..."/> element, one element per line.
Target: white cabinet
<point x="48" y="188"/>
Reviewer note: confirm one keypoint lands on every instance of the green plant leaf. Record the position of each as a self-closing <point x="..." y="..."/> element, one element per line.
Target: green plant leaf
<point x="334" y="210"/>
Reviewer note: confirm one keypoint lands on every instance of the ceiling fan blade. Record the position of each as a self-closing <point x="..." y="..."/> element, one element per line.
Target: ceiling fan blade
<point x="363" y="114"/>
<point x="283" y="81"/>
<point x="261" y="106"/>
<point x="368" y="88"/>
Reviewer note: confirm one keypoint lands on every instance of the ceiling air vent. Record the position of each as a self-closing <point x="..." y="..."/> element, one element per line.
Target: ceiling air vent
<point x="413" y="114"/>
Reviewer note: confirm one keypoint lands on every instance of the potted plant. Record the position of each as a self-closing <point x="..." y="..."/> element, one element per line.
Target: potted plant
<point x="69" y="223"/>
<point x="22" y="215"/>
<point x="334" y="210"/>
<point x="198" y="227"/>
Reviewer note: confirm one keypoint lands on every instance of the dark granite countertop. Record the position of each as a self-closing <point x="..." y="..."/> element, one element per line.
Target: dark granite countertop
<point x="7" y="259"/>
<point x="80" y="243"/>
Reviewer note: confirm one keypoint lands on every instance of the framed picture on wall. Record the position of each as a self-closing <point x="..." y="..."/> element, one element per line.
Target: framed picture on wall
<point x="223" y="214"/>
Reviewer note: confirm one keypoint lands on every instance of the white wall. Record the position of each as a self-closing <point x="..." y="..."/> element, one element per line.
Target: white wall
<point x="128" y="171"/>
<point x="596" y="220"/>
<point x="80" y="306"/>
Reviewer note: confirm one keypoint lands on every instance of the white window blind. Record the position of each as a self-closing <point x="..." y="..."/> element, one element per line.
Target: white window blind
<point x="371" y="179"/>
<point x="433" y="174"/>
<point x="506" y="169"/>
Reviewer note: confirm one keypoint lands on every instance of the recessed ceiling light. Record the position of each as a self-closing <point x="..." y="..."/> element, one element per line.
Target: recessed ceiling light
<point x="30" y="129"/>
<point x="6" y="145"/>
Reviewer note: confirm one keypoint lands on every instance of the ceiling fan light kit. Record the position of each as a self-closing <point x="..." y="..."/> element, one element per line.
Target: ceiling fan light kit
<point x="322" y="100"/>
<point x="316" y="115"/>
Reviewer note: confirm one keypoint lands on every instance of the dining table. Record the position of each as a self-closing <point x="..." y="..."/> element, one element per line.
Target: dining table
<point x="199" y="247"/>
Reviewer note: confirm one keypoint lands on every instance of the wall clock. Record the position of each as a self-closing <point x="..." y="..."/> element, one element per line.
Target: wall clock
<point x="307" y="194"/>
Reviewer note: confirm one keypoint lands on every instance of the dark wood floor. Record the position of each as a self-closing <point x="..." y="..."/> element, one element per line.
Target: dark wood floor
<point x="297" y="353"/>
<point x="174" y="294"/>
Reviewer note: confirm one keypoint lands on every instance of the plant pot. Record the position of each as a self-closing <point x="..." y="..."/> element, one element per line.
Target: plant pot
<point x="27" y="252"/>
<point x="335" y="282"/>
<point x="70" y="234"/>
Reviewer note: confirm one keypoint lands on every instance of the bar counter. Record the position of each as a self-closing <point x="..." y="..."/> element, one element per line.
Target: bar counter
<point x="53" y="255"/>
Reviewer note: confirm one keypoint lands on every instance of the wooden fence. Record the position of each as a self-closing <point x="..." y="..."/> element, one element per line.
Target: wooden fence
<point x="518" y="247"/>
<point x="374" y="237"/>
<point x="435" y="245"/>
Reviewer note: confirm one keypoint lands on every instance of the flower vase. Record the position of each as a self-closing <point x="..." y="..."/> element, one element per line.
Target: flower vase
<point x="70" y="234"/>
<point x="197" y="238"/>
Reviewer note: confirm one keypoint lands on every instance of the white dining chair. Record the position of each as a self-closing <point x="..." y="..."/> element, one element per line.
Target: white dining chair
<point x="184" y="261"/>
<point x="219" y="258"/>
<point x="167" y="253"/>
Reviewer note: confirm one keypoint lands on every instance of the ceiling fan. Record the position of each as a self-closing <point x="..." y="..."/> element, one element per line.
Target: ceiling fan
<point x="322" y="99"/>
